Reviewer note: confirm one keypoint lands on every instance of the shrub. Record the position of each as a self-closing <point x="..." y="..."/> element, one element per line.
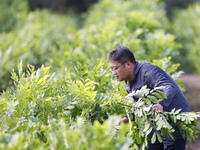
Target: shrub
<point x="42" y="113"/>
<point x="187" y="34"/>
<point x="12" y="12"/>
<point x="32" y="42"/>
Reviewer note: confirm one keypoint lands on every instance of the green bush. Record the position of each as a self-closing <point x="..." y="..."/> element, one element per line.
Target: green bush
<point x="11" y="14"/>
<point x="59" y="135"/>
<point x="57" y="42"/>
<point x="32" y="42"/>
<point x="105" y="11"/>
<point x="39" y="95"/>
<point x="43" y="113"/>
<point x="87" y="136"/>
<point x="95" y="40"/>
<point x="43" y="110"/>
<point x="185" y="28"/>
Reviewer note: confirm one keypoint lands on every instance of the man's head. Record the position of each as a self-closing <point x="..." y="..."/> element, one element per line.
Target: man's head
<point x="122" y="63"/>
<point x="121" y="55"/>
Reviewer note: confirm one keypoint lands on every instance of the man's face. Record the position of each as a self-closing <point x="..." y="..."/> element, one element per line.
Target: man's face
<point x="120" y="71"/>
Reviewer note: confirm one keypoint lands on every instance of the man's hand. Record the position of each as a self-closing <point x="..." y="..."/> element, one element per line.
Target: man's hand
<point x="124" y="120"/>
<point x="157" y="107"/>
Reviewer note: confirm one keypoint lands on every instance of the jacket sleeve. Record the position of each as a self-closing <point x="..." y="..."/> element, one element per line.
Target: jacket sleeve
<point x="156" y="77"/>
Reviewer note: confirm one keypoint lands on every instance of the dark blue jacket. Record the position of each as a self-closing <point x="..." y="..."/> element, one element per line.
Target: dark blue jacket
<point x="152" y="76"/>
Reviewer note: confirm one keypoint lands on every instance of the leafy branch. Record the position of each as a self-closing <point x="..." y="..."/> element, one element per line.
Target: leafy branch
<point x="164" y="123"/>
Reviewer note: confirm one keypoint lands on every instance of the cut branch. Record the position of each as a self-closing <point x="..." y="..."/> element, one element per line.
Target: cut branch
<point x="125" y="104"/>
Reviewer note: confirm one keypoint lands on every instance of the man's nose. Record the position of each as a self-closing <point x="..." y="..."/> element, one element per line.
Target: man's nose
<point x="114" y="72"/>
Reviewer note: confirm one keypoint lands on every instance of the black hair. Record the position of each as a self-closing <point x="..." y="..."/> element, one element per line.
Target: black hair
<point x="121" y="55"/>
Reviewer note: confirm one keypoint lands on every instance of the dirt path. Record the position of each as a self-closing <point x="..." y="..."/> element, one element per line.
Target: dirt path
<point x="192" y="94"/>
<point x="191" y="81"/>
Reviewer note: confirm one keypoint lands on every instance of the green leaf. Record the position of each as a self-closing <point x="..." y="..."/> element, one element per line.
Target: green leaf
<point x="148" y="131"/>
<point x="67" y="112"/>
<point x="147" y="101"/>
<point x="159" y="137"/>
<point x="2" y="105"/>
<point x="75" y="102"/>
<point x="153" y="139"/>
<point x="147" y="125"/>
<point x="152" y="98"/>
<point x="70" y="107"/>
<point x="162" y="94"/>
<point x="159" y="88"/>
<point x="138" y="139"/>
<point x="157" y="95"/>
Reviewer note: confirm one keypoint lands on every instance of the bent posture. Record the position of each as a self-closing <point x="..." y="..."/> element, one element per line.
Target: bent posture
<point x="137" y="74"/>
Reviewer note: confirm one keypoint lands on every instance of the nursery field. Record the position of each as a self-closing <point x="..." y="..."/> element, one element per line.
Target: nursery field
<point x="56" y="90"/>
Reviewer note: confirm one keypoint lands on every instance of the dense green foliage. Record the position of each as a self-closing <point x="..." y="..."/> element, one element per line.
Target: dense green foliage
<point x="72" y="103"/>
<point x="32" y="41"/>
<point x="101" y="34"/>
<point x="41" y="37"/>
<point x="57" y="42"/>
<point x="41" y="113"/>
<point x="187" y="33"/>
<point x="9" y="19"/>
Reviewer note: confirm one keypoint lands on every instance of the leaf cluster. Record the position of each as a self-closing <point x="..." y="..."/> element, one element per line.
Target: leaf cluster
<point x="162" y="123"/>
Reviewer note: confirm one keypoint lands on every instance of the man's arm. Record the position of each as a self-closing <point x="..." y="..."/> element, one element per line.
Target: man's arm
<point x="156" y="78"/>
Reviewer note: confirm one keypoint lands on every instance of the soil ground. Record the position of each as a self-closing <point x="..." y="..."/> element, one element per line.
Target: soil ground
<point x="192" y="94"/>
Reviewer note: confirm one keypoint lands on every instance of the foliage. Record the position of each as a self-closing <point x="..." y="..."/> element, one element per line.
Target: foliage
<point x="43" y="113"/>
<point x="127" y="23"/>
<point x="27" y="110"/>
<point x="164" y="123"/>
<point x="141" y="34"/>
<point x="87" y="136"/>
<point x="9" y="18"/>
<point x="101" y="34"/>
<point x="59" y="135"/>
<point x="39" y="94"/>
<point x="57" y="41"/>
<point x="118" y="9"/>
<point x="31" y="47"/>
<point x="187" y="34"/>
<point x="45" y="110"/>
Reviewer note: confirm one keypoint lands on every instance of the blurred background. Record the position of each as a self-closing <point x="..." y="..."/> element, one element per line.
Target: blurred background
<point x="58" y="33"/>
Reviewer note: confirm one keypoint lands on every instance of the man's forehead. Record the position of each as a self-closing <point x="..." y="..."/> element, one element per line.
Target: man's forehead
<point x="114" y="63"/>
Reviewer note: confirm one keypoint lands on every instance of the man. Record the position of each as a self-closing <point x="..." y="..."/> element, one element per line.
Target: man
<point x="136" y="75"/>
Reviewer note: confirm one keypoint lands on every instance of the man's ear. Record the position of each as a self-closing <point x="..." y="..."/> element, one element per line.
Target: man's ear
<point x="129" y="64"/>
